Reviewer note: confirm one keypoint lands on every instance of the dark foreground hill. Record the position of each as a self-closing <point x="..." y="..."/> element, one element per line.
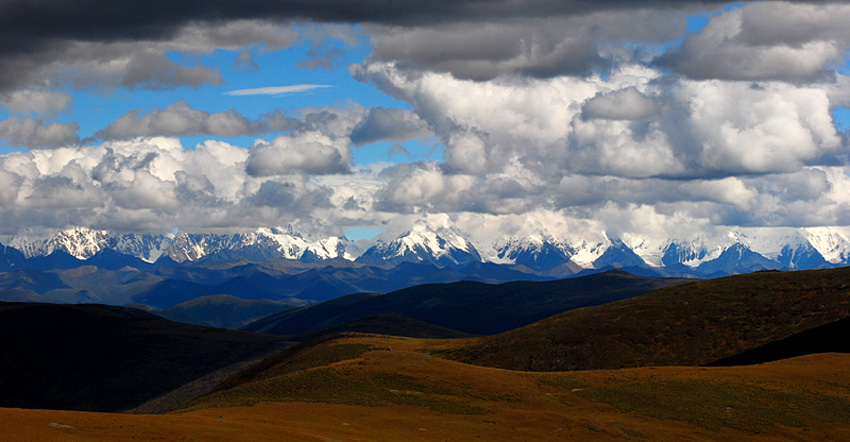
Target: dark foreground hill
<point x="469" y="307"/>
<point x="690" y="324"/>
<point x="104" y="358"/>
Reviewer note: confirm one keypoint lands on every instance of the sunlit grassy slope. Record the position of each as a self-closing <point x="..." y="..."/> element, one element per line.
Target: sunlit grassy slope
<point x="357" y="389"/>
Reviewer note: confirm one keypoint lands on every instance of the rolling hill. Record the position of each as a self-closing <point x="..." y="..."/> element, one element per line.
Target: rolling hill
<point x="689" y="324"/>
<point x="469" y="307"/>
<point x="425" y="397"/>
<point x="795" y="400"/>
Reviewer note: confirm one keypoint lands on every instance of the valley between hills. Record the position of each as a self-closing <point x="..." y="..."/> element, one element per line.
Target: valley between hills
<point x="761" y="356"/>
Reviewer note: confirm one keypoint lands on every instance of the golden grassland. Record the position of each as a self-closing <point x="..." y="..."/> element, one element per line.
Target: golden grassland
<point x="367" y="388"/>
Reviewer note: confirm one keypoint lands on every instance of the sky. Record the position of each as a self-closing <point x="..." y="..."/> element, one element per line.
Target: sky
<point x="568" y="118"/>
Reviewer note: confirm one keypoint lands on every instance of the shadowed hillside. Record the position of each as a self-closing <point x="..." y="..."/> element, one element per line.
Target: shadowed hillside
<point x="829" y="338"/>
<point x="104" y="358"/>
<point x="688" y="324"/>
<point x="469" y="307"/>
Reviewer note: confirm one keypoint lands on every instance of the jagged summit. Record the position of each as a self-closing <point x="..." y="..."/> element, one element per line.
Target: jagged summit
<point x="542" y="252"/>
<point x="833" y="243"/>
<point x="79" y="242"/>
<point x="423" y="245"/>
<point x="262" y="244"/>
<point x="537" y="252"/>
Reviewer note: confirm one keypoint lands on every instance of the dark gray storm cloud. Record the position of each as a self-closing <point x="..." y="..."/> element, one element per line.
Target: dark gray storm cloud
<point x="787" y="41"/>
<point x="35" y="33"/>
<point x="28" y="24"/>
<point x="482" y="51"/>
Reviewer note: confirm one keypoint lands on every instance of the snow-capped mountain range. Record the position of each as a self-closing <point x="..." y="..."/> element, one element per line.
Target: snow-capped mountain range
<point x="262" y="244"/>
<point x="737" y="251"/>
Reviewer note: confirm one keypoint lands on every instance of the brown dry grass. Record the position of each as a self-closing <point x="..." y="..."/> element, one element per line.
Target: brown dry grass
<point x="405" y="395"/>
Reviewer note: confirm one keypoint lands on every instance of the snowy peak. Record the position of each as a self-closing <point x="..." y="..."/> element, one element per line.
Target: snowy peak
<point x="290" y="245"/>
<point x="80" y="243"/>
<point x="275" y="241"/>
<point x="618" y="255"/>
<point x="691" y="252"/>
<point x="423" y="245"/>
<point x="536" y="252"/>
<point x="83" y="244"/>
<point x="192" y="247"/>
<point x="28" y="246"/>
<point x="736" y="259"/>
<point x="328" y="248"/>
<point x="585" y="253"/>
<point x="146" y="247"/>
<point x="744" y="250"/>
<point x="263" y="244"/>
<point x="804" y="256"/>
<point x="540" y="252"/>
<point x="770" y="242"/>
<point x="833" y="243"/>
